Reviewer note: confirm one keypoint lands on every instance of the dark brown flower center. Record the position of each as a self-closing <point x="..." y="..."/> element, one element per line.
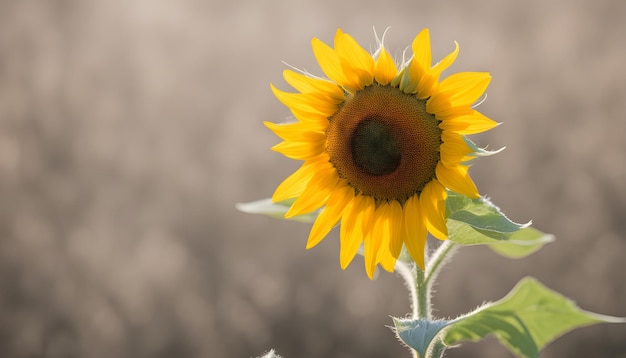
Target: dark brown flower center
<point x="375" y="149"/>
<point x="384" y="143"/>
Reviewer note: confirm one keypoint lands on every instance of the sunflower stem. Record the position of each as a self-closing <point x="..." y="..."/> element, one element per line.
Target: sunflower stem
<point x="423" y="296"/>
<point x="407" y="274"/>
<point x="437" y="260"/>
<point x="419" y="283"/>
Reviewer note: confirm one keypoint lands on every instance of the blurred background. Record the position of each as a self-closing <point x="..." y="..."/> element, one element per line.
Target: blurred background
<point x="129" y="130"/>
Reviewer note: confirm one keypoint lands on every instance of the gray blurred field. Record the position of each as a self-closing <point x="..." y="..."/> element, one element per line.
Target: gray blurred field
<point x="129" y="130"/>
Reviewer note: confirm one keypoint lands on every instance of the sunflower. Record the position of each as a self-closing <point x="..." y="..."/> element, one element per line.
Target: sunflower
<point x="381" y="144"/>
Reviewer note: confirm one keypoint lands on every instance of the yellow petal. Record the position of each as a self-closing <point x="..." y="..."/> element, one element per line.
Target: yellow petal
<point x="305" y="102"/>
<point x="433" y="206"/>
<point x="414" y="230"/>
<point x="395" y="218"/>
<point x="296" y="132"/>
<point x="452" y="112"/>
<point x="310" y="116"/>
<point x="387" y="260"/>
<point x="294" y="184"/>
<point x="379" y="235"/>
<point x="420" y="64"/>
<point x="473" y="123"/>
<point x="351" y="233"/>
<point x="385" y="70"/>
<point x="384" y="243"/>
<point x="459" y="89"/>
<point x="457" y="179"/>
<point x="331" y="214"/>
<point x="422" y="53"/>
<point x="357" y="64"/>
<point x="316" y="193"/>
<point x="315" y="145"/>
<point x="426" y="86"/>
<point x="366" y="218"/>
<point x="317" y="86"/>
<point x="453" y="149"/>
<point x="329" y="62"/>
<point x="430" y="80"/>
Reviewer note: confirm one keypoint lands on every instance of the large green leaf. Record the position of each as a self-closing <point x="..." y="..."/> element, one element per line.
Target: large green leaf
<point x="524" y="321"/>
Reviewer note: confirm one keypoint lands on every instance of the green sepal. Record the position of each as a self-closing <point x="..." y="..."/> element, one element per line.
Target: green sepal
<point x="525" y="321"/>
<point x="478" y="151"/>
<point x="418" y="334"/>
<point x="275" y="210"/>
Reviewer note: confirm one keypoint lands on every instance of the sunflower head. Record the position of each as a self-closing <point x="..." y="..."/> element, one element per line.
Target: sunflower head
<point x="381" y="144"/>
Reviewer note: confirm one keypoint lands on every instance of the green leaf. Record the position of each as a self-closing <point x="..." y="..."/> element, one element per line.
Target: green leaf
<point x="480" y="214"/>
<point x="418" y="333"/>
<point x="275" y="210"/>
<point x="522" y="243"/>
<point x="480" y="222"/>
<point x="525" y="321"/>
